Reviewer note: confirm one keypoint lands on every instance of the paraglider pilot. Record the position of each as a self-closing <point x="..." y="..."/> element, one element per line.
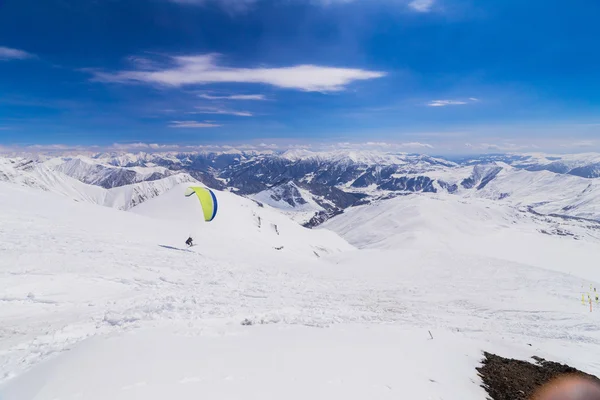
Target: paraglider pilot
<point x="208" y="203"/>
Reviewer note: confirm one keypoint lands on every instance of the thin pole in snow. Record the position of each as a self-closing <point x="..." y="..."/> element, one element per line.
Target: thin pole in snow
<point x="430" y="335"/>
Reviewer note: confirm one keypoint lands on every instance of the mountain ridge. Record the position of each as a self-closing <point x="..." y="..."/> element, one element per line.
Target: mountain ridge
<point x="333" y="181"/>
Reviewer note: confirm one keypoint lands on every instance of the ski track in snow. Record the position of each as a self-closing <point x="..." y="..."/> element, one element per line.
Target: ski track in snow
<point x="70" y="271"/>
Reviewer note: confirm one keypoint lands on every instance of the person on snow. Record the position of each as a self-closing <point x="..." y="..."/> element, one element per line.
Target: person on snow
<point x="189" y="241"/>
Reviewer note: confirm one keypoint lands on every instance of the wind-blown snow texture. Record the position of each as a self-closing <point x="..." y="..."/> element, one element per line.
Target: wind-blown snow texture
<point x="263" y="307"/>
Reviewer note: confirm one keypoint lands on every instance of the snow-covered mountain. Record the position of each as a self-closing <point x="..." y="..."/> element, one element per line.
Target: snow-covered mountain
<point x="315" y="186"/>
<point x="99" y="303"/>
<point x="585" y="165"/>
<point x="546" y="192"/>
<point x="92" y="172"/>
<point x="42" y="175"/>
<point x="469" y="225"/>
<point x="289" y="198"/>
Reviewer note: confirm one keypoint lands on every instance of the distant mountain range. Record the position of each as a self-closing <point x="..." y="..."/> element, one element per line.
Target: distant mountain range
<point x="314" y="186"/>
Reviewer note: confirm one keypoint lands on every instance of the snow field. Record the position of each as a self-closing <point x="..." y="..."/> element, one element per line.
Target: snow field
<point x="144" y="317"/>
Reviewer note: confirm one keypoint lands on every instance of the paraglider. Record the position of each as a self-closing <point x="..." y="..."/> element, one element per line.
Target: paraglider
<point x="208" y="203"/>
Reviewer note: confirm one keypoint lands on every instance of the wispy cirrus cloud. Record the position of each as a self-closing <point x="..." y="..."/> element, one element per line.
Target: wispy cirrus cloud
<point x="414" y="145"/>
<point x="235" y="6"/>
<point x="192" y="124"/>
<point x="205" y="69"/>
<point x="256" y="97"/>
<point x="446" y="103"/>
<point x="422" y="6"/>
<point x="221" y="111"/>
<point x="7" y="53"/>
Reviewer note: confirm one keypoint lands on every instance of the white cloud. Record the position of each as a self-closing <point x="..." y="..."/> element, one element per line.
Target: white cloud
<point x="234" y="6"/>
<point x="142" y="63"/>
<point x="204" y="69"/>
<point x="423" y="6"/>
<point x="48" y="149"/>
<point x="379" y="144"/>
<point x="221" y="111"/>
<point x="390" y="146"/>
<point x="268" y="146"/>
<point x="131" y="146"/>
<point x="192" y="124"/>
<point x="416" y="145"/>
<point x="234" y="97"/>
<point x="144" y="147"/>
<point x="582" y="143"/>
<point x="51" y="147"/>
<point x="445" y="103"/>
<point x="456" y="102"/>
<point x="6" y="53"/>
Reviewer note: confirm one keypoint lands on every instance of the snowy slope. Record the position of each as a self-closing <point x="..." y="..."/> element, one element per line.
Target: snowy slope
<point x="243" y="223"/>
<point x="547" y="192"/>
<point x="477" y="227"/>
<point x="71" y="270"/>
<point x="293" y="201"/>
<point x="144" y="317"/>
<point x="93" y="172"/>
<point x="40" y="176"/>
<point x="586" y="165"/>
<point x="264" y="362"/>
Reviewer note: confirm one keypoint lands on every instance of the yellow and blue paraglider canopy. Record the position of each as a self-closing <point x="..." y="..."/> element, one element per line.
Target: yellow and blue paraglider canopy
<point x="208" y="201"/>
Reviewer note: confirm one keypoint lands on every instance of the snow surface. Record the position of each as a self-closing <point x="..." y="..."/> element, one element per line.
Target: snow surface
<point x="476" y="227"/>
<point x="548" y="192"/>
<point x="297" y="211"/>
<point x="265" y="362"/>
<point x="43" y="176"/>
<point x="84" y="168"/>
<point x="244" y="224"/>
<point x="368" y="157"/>
<point x="570" y="160"/>
<point x="94" y="172"/>
<point x="144" y="317"/>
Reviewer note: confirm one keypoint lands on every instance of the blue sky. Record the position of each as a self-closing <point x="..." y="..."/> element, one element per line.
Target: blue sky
<point x="442" y="75"/>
